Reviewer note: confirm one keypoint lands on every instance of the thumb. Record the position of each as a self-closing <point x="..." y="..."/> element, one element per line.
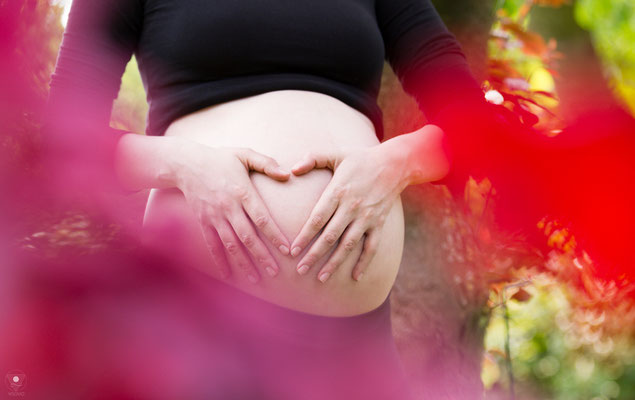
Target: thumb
<point x="259" y="162"/>
<point x="317" y="159"/>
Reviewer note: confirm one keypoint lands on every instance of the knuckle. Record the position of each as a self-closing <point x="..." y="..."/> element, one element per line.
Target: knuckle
<point x="275" y="241"/>
<point x="317" y="221"/>
<point x="330" y="237"/>
<point x="261" y="221"/>
<point x="339" y="191"/>
<point x="355" y="204"/>
<point x="212" y="251"/>
<point x="382" y="219"/>
<point x="208" y="212"/>
<point x="349" y="245"/>
<point x="240" y="192"/>
<point x="232" y="247"/>
<point x="224" y="205"/>
<point x="247" y="239"/>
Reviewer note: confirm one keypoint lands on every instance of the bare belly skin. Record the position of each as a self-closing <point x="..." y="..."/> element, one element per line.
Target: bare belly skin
<point x="285" y="125"/>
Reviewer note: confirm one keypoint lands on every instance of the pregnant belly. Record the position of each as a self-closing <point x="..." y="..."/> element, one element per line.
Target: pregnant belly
<point x="285" y="125"/>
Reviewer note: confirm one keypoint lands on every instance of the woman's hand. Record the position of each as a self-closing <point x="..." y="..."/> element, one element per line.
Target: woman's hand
<point x="357" y="200"/>
<point x="216" y="184"/>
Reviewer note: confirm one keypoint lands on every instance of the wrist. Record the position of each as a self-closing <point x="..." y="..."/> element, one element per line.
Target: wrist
<point x="396" y="152"/>
<point x="424" y="154"/>
<point x="150" y="161"/>
<point x="175" y="153"/>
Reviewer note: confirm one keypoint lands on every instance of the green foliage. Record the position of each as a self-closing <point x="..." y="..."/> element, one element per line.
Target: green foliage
<point x="612" y="27"/>
<point x="511" y="7"/>
<point x="130" y="108"/>
<point x="559" y="351"/>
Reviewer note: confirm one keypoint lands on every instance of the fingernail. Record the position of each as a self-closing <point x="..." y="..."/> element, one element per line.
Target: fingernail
<point x="359" y="277"/>
<point x="270" y="271"/>
<point x="324" y="276"/>
<point x="284" y="249"/>
<point x="296" y="250"/>
<point x="252" y="278"/>
<point x="303" y="269"/>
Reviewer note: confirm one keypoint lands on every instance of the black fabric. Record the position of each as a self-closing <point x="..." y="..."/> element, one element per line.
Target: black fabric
<point x="195" y="53"/>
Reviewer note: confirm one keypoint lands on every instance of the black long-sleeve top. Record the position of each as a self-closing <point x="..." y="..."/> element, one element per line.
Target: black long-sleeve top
<point x="195" y="53"/>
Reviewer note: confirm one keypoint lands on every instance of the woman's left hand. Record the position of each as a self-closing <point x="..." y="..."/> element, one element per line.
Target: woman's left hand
<point x="355" y="203"/>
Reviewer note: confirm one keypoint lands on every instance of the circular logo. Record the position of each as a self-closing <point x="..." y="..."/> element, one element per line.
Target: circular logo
<point x="15" y="380"/>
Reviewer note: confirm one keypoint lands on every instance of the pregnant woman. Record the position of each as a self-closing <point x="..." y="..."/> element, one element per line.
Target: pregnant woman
<point x="264" y="144"/>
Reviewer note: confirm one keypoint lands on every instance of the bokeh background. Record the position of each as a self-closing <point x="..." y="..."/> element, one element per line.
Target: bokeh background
<point x="528" y="307"/>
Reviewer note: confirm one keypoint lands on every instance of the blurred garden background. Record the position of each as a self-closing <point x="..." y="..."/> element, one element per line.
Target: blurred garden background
<point x="525" y="314"/>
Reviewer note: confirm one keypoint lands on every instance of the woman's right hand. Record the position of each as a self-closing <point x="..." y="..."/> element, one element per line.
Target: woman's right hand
<point x="215" y="182"/>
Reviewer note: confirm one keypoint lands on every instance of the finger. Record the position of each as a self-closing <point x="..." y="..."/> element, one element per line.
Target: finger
<point x="257" y="210"/>
<point x="250" y="239"/>
<point x="234" y="251"/>
<point x="321" y="213"/>
<point x="371" y="243"/>
<point x="327" y="239"/>
<point x="314" y="160"/>
<point x="215" y="248"/>
<point x="262" y="163"/>
<point x="348" y="243"/>
<point x="306" y="164"/>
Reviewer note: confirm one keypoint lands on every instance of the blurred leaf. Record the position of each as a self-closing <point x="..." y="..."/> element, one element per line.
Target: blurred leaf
<point x="533" y="42"/>
<point x="552" y="3"/>
<point x="521" y="295"/>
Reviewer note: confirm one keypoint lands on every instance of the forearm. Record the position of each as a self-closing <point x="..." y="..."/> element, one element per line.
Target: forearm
<point x="422" y="155"/>
<point x="147" y="161"/>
